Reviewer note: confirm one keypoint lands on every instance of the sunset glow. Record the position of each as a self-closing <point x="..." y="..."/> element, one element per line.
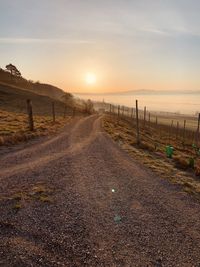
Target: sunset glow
<point x="90" y="78"/>
<point x="134" y="44"/>
<point x="99" y="133"/>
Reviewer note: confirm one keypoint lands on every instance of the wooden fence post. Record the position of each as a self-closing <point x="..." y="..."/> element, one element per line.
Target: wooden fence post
<point x="197" y="133"/>
<point x="118" y="111"/>
<point x="193" y="137"/>
<point x="30" y="115"/>
<point x="156" y="122"/>
<point x="177" y="129"/>
<point x="184" y="124"/>
<point x="53" y="112"/>
<point x="137" y="124"/>
<point x="170" y="130"/>
<point x="145" y="110"/>
<point x="149" y="120"/>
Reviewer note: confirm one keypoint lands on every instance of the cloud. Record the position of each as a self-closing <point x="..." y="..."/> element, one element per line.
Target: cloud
<point x="173" y="32"/>
<point x="42" y="41"/>
<point x="156" y="31"/>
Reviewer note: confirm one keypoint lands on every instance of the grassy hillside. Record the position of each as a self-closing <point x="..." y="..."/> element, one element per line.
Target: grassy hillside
<point x="35" y="87"/>
<point x="13" y="115"/>
<point x="14" y="99"/>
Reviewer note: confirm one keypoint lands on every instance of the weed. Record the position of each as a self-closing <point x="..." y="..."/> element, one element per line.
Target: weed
<point x="39" y="189"/>
<point x="45" y="198"/>
<point x="17" y="196"/>
<point x="17" y="206"/>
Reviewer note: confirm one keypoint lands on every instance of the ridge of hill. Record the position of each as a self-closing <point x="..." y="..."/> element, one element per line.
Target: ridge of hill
<point x="13" y="99"/>
<point x="36" y="87"/>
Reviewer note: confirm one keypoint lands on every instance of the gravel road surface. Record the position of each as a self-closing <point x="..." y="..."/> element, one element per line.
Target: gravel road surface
<point x="77" y="199"/>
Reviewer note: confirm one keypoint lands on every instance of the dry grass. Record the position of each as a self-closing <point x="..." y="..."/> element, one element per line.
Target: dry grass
<point x="29" y="195"/>
<point x="181" y="169"/>
<point x="184" y="162"/>
<point x="191" y="121"/>
<point x="197" y="168"/>
<point x="17" y="206"/>
<point x="14" y="126"/>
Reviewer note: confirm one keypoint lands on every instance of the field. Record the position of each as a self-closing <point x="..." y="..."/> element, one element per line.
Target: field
<point x="182" y="168"/>
<point x="14" y="126"/>
<point x="164" y="118"/>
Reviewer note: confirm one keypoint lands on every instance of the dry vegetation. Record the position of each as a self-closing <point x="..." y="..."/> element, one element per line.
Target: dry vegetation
<point x="13" y="114"/>
<point x="184" y="166"/>
<point x="14" y="126"/>
<point x="164" y="118"/>
<point x="37" y="192"/>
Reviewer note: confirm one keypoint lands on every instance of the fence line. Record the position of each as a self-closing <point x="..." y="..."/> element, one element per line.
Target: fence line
<point x="176" y="131"/>
<point x="30" y="115"/>
<point x="52" y="111"/>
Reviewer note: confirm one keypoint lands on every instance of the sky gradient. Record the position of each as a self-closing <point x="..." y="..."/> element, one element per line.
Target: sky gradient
<point x="128" y="45"/>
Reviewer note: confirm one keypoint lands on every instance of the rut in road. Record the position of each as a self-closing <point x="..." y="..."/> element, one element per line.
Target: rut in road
<point x="144" y="222"/>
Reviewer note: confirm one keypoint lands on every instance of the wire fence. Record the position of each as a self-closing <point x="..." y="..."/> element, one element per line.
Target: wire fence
<point x="169" y="128"/>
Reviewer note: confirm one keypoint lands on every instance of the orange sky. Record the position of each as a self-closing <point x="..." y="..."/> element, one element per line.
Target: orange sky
<point x="127" y="45"/>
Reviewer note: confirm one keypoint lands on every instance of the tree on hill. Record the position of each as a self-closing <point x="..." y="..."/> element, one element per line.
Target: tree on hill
<point x="13" y="70"/>
<point x="68" y="99"/>
<point x="89" y="106"/>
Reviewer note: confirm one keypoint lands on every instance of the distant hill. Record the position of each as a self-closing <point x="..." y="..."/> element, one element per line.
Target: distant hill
<point x="144" y="92"/>
<point x="158" y="92"/>
<point x="14" y="99"/>
<point x="36" y="87"/>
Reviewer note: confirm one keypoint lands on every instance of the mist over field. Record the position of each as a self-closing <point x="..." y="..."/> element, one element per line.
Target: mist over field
<point x="184" y="103"/>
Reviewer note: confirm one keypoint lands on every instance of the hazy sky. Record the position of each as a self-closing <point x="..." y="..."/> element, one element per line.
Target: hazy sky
<point x="127" y="44"/>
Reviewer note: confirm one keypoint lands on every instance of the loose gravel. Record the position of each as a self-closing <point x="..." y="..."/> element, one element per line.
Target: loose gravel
<point x="77" y="199"/>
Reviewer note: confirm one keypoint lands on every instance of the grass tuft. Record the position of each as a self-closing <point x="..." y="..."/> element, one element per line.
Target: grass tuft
<point x="17" y="206"/>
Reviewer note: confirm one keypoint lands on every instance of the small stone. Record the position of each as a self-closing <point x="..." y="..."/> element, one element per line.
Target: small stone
<point x="117" y="218"/>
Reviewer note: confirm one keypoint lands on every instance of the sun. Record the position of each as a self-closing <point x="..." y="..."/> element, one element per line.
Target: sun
<point x="90" y="78"/>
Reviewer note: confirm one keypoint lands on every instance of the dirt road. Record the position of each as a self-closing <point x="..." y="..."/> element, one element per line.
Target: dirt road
<point x="78" y="200"/>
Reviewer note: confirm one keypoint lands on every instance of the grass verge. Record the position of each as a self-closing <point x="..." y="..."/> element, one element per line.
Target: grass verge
<point x="14" y="127"/>
<point x="182" y="169"/>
